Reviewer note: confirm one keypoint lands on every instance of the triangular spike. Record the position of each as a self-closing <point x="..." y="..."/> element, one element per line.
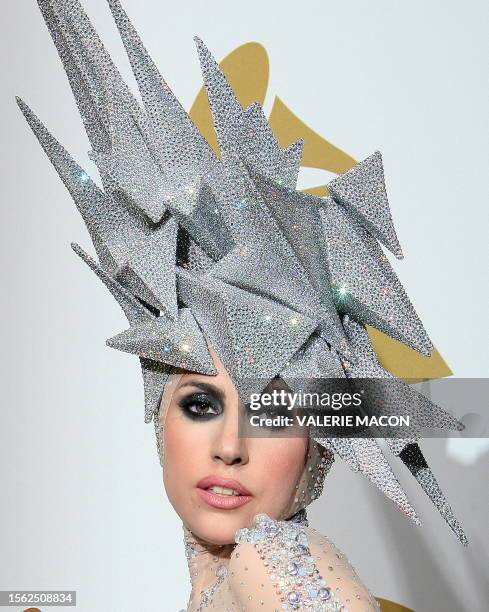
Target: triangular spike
<point x="143" y="153"/>
<point x="146" y="73"/>
<point x="362" y="191"/>
<point x="425" y="413"/>
<point x="85" y="43"/>
<point x="178" y="343"/>
<point x="227" y="112"/>
<point x="125" y="244"/>
<point x="97" y="210"/>
<point x="373" y="464"/>
<point x="245" y="133"/>
<point x="85" y="92"/>
<point x="391" y="395"/>
<point x="116" y="232"/>
<point x="155" y="375"/>
<point x="259" y="148"/>
<point x="68" y="22"/>
<point x="135" y="312"/>
<point x="262" y="266"/>
<point x="174" y="130"/>
<point x="236" y="323"/>
<point x="125" y="157"/>
<point x="364" y="283"/>
<point x="413" y="458"/>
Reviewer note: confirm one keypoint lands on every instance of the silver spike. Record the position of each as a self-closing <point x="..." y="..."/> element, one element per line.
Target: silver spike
<point x="178" y="343"/>
<point x="178" y="140"/>
<point x="364" y="283"/>
<point x="413" y="458"/>
<point x="362" y="191"/>
<point x="154" y="374"/>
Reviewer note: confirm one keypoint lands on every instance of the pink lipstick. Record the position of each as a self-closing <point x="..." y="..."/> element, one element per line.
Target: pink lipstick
<point x="223" y="493"/>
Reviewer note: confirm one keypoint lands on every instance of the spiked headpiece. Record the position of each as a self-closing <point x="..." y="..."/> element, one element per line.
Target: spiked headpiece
<point x="197" y="247"/>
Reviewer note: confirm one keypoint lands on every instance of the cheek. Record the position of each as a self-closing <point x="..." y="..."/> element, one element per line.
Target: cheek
<point x="280" y="463"/>
<point x="179" y="443"/>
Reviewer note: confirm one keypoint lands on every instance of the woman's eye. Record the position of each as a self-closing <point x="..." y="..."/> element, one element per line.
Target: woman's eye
<point x="200" y="406"/>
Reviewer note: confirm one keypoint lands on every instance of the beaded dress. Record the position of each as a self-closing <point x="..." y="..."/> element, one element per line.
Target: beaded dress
<point x="274" y="566"/>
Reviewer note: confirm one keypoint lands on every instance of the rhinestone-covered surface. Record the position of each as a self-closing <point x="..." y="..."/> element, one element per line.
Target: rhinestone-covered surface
<point x="275" y="565"/>
<point x="319" y="258"/>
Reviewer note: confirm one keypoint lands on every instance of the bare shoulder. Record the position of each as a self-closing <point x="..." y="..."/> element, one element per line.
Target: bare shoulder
<point x="278" y="565"/>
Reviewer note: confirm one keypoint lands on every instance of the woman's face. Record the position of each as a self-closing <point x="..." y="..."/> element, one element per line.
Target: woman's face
<point x="205" y="463"/>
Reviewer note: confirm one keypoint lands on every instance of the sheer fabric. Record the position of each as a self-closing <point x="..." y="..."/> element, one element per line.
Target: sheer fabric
<point x="274" y="566"/>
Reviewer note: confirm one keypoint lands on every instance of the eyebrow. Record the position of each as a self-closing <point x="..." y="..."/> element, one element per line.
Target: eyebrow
<point x="205" y="387"/>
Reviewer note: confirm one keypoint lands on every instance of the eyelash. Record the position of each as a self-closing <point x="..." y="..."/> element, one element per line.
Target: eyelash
<point x="200" y="400"/>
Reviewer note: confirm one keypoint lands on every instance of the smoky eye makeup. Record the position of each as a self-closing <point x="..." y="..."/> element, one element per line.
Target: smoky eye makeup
<point x="201" y="404"/>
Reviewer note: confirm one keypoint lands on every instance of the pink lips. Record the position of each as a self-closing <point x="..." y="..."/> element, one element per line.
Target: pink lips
<point x="224" y="502"/>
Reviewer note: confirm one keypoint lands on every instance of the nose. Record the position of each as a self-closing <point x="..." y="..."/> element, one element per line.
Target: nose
<point x="228" y="447"/>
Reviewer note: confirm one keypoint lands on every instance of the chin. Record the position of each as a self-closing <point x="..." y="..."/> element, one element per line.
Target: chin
<point x="216" y="528"/>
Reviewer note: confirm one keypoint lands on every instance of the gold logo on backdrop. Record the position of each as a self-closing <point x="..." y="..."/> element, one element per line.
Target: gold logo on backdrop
<point x="247" y="70"/>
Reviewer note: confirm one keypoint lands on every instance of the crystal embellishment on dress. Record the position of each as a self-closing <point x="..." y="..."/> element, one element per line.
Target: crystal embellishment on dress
<point x="283" y="547"/>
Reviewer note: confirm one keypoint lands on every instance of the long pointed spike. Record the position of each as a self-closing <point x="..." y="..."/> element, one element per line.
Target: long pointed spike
<point x="144" y="69"/>
<point x="155" y="375"/>
<point x="374" y="465"/>
<point x="414" y="459"/>
<point x="73" y="176"/>
<point x="68" y="19"/>
<point x="85" y="91"/>
<point x="135" y="312"/>
<point x="89" y="199"/>
<point x="173" y="126"/>
<point x="227" y="112"/>
<point x="81" y="34"/>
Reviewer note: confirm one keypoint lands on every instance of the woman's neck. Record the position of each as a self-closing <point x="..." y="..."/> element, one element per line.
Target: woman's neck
<point x="206" y="562"/>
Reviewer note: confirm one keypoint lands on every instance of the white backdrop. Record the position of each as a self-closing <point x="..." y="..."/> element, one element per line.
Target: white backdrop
<point x="82" y="501"/>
